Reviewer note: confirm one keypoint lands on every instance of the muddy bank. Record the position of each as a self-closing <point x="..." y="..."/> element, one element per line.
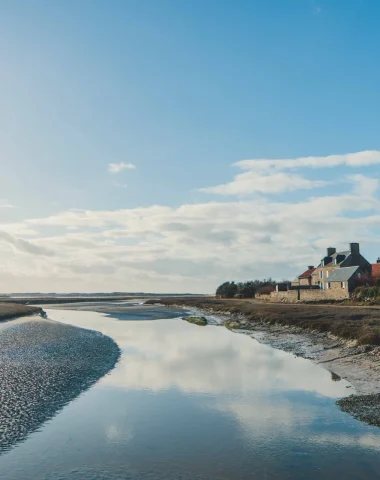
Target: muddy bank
<point x="304" y="331"/>
<point x="43" y="366"/>
<point x="11" y="310"/>
<point x="124" y="311"/>
<point x="361" y="324"/>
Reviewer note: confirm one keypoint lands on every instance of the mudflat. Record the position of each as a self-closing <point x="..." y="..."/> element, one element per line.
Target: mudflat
<point x="43" y="366"/>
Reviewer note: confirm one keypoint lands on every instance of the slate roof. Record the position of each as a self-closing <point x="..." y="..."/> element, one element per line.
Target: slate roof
<point x="307" y="274"/>
<point x="346" y="254"/>
<point x="342" y="274"/>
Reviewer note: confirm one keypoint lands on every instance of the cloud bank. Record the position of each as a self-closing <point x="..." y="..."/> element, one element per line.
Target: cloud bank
<point x="194" y="247"/>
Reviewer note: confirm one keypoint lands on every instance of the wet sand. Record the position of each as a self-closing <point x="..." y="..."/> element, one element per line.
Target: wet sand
<point x="124" y="311"/>
<point x="43" y="366"/>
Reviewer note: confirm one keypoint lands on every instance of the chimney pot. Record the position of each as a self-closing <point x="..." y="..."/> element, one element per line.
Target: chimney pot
<point x="354" y="248"/>
<point x="310" y="267"/>
<point x="331" y="251"/>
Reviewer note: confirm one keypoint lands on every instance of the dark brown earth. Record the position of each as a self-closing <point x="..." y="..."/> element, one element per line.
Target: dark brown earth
<point x="10" y="310"/>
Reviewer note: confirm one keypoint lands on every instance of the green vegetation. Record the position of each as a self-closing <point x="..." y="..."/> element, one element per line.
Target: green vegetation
<point x="367" y="294"/>
<point x="244" y="289"/>
<point x="201" y="321"/>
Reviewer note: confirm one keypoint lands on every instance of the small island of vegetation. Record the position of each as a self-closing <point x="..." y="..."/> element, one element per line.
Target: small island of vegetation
<point x="201" y="321"/>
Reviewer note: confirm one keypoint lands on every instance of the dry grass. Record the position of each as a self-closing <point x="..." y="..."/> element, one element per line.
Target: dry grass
<point x="11" y="310"/>
<point x="348" y="322"/>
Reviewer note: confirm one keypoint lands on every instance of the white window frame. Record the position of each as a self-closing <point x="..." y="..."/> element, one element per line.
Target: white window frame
<point x="343" y="284"/>
<point x="327" y="274"/>
<point x="321" y="274"/>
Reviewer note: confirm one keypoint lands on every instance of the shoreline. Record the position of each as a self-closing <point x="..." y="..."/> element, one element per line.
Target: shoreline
<point x="332" y="353"/>
<point x="9" y="311"/>
<point x="358" y="364"/>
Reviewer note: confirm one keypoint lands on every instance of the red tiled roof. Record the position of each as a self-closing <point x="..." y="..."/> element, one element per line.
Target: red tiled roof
<point x="307" y="274"/>
<point x="376" y="270"/>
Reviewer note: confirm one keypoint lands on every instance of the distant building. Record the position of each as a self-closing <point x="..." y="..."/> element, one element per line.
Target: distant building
<point x="336" y="270"/>
<point x="376" y="269"/>
<point x="337" y="260"/>
<point x="306" y="278"/>
<point x="346" y="278"/>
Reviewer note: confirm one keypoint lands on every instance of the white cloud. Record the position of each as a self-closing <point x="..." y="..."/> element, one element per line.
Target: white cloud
<point x="120" y="185"/>
<point x="266" y="176"/>
<point x="5" y="204"/>
<point x="359" y="159"/>
<point x="119" y="167"/>
<point x="24" y="246"/>
<point x="252" y="182"/>
<point x="192" y="247"/>
<point x="363" y="185"/>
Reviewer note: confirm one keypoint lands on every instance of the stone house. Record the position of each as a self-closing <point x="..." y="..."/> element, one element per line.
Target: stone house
<point x="338" y="260"/>
<point x="345" y="279"/>
<point x="306" y="278"/>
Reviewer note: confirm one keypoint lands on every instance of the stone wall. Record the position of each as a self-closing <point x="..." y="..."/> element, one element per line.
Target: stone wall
<point x="292" y="296"/>
<point x="330" y="294"/>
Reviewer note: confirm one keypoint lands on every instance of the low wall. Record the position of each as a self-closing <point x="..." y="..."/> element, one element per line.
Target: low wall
<point x="292" y="296"/>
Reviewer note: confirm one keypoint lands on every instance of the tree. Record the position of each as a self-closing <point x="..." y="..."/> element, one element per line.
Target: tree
<point x="243" y="289"/>
<point x="227" y="290"/>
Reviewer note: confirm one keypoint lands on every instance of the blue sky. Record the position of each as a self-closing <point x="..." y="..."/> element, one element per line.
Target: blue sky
<point x="182" y="91"/>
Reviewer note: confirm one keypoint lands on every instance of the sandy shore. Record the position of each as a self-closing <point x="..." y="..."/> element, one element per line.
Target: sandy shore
<point x="43" y="366"/>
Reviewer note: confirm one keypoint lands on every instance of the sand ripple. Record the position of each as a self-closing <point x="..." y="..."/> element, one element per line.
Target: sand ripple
<point x="43" y="366"/>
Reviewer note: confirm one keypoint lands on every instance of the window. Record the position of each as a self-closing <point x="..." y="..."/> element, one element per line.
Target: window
<point x="343" y="284"/>
<point x="359" y="275"/>
<point x="327" y="273"/>
<point x="327" y="285"/>
<point x="321" y="274"/>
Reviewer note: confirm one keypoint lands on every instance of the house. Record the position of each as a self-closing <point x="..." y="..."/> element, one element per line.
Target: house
<point x="345" y="279"/>
<point x="306" y="278"/>
<point x="376" y="269"/>
<point x="337" y="260"/>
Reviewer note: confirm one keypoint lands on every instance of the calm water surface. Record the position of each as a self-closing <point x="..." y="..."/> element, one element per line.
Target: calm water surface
<point x="189" y="402"/>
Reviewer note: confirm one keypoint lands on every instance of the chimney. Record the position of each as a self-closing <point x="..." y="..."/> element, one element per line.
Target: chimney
<point x="354" y="248"/>
<point x="331" y="251"/>
<point x="378" y="260"/>
<point x="310" y="267"/>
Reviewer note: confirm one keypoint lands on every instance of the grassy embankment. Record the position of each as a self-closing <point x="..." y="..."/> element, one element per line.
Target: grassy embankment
<point x="348" y="322"/>
<point x="11" y="310"/>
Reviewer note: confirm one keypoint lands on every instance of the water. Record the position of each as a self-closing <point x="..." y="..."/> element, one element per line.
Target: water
<point x="189" y="402"/>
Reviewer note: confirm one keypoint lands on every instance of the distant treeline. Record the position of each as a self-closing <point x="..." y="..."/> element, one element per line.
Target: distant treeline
<point x="246" y="289"/>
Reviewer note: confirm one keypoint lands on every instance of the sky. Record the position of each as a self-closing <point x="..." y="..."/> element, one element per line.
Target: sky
<point x="171" y="145"/>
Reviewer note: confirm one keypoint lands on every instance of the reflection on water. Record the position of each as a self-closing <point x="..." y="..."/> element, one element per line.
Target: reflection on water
<point x="198" y="403"/>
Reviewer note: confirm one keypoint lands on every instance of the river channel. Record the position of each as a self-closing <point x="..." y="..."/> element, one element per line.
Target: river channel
<point x="190" y="402"/>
